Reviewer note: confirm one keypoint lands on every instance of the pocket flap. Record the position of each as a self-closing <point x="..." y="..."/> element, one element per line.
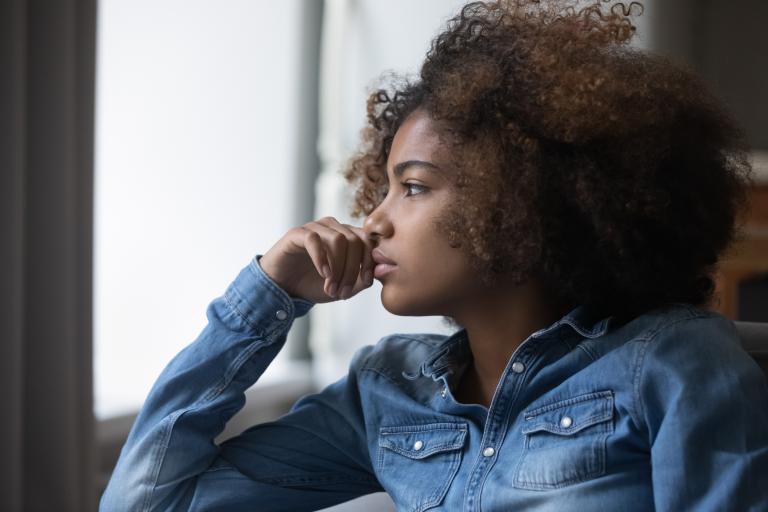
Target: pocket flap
<point x="571" y="415"/>
<point x="419" y="441"/>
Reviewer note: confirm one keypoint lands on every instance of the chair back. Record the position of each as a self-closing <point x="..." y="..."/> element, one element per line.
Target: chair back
<point x="754" y="339"/>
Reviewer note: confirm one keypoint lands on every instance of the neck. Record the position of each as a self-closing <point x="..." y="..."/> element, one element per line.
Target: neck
<point x="498" y="321"/>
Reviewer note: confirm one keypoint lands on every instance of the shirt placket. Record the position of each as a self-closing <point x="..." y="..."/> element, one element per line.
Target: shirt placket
<point x="508" y="389"/>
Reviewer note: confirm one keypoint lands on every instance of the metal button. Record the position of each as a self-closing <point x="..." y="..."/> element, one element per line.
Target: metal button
<point x="518" y="367"/>
<point x="281" y="315"/>
<point x="443" y="392"/>
<point x="566" y="421"/>
<point x="488" y="452"/>
<point x="418" y="445"/>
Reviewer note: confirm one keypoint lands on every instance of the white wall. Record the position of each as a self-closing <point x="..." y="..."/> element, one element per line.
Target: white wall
<point x="361" y="40"/>
<point x="195" y="166"/>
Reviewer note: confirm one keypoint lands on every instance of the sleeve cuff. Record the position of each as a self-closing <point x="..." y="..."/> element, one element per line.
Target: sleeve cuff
<point x="261" y="302"/>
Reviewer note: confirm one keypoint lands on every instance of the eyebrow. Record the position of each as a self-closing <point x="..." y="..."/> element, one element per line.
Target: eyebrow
<point x="402" y="166"/>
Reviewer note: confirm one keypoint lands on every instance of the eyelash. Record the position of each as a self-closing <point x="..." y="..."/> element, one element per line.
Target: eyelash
<point x="408" y="186"/>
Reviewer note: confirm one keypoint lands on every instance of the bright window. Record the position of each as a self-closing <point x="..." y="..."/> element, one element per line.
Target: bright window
<point x="196" y="135"/>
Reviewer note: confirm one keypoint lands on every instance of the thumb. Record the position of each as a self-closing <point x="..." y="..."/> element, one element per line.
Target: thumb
<point x="361" y="284"/>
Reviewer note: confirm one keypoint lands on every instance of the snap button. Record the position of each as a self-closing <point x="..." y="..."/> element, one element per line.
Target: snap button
<point x="281" y="315"/>
<point x="518" y="367"/>
<point x="418" y="445"/>
<point x="566" y="421"/>
<point x="488" y="452"/>
<point x="443" y="392"/>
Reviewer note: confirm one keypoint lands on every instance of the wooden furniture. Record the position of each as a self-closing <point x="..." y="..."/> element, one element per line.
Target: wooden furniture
<point x="754" y="339"/>
<point x="748" y="258"/>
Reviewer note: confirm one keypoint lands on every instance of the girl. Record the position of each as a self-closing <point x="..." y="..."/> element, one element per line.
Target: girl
<point x="562" y="200"/>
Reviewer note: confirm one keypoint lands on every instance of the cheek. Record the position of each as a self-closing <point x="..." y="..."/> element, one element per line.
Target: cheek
<point x="427" y="287"/>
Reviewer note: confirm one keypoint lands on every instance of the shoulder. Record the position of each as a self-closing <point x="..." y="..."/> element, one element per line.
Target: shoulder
<point x="691" y="367"/>
<point x="685" y="333"/>
<point x="400" y="352"/>
<point x="694" y="356"/>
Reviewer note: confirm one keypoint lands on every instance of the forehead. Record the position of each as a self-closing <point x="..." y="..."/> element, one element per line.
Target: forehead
<point x="416" y="139"/>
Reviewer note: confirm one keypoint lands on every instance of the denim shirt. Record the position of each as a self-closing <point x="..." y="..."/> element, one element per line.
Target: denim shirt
<point x="665" y="412"/>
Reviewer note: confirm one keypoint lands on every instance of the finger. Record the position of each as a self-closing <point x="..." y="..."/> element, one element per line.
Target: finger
<point x="367" y="265"/>
<point x="316" y="250"/>
<point x="354" y="252"/>
<point x="352" y="267"/>
<point x="335" y="244"/>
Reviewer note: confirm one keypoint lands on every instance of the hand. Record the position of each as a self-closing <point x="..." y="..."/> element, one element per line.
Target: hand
<point x="298" y="262"/>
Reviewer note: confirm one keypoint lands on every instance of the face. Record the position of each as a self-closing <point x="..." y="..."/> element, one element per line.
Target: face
<point x="429" y="276"/>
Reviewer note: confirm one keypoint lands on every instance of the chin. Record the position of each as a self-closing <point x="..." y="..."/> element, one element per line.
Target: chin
<point x="402" y="305"/>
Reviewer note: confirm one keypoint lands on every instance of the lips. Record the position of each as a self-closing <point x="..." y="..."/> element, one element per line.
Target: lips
<point x="379" y="257"/>
<point x="384" y="265"/>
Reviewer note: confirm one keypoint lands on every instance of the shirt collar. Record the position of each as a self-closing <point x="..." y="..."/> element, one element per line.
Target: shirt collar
<point x="456" y="347"/>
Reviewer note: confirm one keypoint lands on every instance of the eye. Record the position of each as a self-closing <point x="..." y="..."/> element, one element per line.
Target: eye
<point x="410" y="187"/>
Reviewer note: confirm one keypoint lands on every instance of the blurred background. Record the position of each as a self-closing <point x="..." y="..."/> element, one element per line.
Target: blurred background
<point x="149" y="149"/>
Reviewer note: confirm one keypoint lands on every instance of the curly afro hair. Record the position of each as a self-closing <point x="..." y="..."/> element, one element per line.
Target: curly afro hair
<point x="612" y="175"/>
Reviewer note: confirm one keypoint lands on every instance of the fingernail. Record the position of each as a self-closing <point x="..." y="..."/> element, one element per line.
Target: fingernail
<point x="333" y="288"/>
<point x="346" y="292"/>
<point x="326" y="272"/>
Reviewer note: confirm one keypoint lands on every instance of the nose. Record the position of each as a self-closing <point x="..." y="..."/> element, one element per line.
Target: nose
<point x="378" y="224"/>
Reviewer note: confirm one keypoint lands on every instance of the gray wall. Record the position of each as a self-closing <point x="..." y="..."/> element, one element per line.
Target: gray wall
<point x="725" y="41"/>
<point x="47" y="52"/>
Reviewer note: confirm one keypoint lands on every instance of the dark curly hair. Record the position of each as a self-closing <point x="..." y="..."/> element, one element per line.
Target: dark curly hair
<point x="611" y="174"/>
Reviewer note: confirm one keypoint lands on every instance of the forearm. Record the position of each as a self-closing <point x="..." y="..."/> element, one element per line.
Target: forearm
<point x="171" y="441"/>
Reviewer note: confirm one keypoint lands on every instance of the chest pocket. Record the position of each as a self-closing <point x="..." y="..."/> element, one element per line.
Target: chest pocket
<point x="417" y="463"/>
<point x="565" y="442"/>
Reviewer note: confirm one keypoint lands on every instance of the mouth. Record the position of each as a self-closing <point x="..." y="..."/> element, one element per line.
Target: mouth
<point x="383" y="266"/>
<point x="382" y="269"/>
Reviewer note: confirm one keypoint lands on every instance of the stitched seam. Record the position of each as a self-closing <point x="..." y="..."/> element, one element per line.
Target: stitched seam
<point x="208" y="397"/>
<point x="282" y="295"/>
<point x="595" y="395"/>
<point x="229" y="374"/>
<point x="427" y="427"/>
<point x="440" y="491"/>
<point x="385" y="375"/>
<point x="232" y="295"/>
<point x="589" y="353"/>
<point x="413" y="337"/>
<point x="640" y="363"/>
<point x="366" y="361"/>
<point x="692" y="314"/>
<point x="599" y="470"/>
<point x="426" y="453"/>
<point x="159" y="451"/>
<point x="637" y="403"/>
<point x="592" y="420"/>
<point x="233" y="306"/>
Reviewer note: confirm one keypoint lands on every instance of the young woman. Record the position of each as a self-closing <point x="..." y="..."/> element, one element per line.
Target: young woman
<point x="563" y="200"/>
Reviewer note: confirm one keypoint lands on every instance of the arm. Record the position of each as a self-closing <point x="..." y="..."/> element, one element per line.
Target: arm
<point x="313" y="457"/>
<point x="704" y="402"/>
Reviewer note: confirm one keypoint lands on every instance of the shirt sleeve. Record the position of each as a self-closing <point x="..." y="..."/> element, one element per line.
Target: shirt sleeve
<point x="311" y="458"/>
<point x="704" y="402"/>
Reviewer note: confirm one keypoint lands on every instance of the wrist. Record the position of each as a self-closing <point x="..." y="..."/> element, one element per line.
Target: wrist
<point x="265" y="263"/>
